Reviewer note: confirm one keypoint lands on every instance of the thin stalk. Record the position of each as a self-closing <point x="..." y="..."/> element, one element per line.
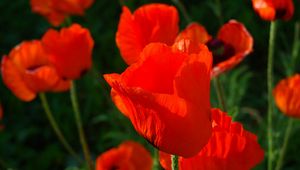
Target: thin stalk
<point x="183" y="10"/>
<point x="174" y="159"/>
<point x="220" y="93"/>
<point x="285" y="143"/>
<point x="270" y="88"/>
<point x="80" y="127"/>
<point x="156" y="164"/>
<point x="290" y="121"/>
<point x="56" y="128"/>
<point x="295" y="51"/>
<point x="219" y="14"/>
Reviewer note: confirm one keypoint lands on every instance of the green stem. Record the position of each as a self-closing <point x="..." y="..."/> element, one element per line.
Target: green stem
<point x="56" y="127"/>
<point x="174" y="159"/>
<point x="285" y="143"/>
<point x="80" y="127"/>
<point x="219" y="14"/>
<point x="156" y="164"/>
<point x="183" y="10"/>
<point x="295" y="51"/>
<point x="220" y="93"/>
<point x="270" y="88"/>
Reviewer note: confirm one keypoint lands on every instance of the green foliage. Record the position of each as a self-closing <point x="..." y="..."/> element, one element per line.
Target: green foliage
<point x="28" y="142"/>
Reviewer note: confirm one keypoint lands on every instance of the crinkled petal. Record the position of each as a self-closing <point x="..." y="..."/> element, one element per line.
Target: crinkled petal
<point x="194" y="32"/>
<point x="149" y="23"/>
<point x="13" y="79"/>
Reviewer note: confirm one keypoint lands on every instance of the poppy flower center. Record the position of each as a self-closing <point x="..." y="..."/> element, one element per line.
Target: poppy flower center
<point x="280" y="13"/>
<point x="34" y="67"/>
<point x="221" y="51"/>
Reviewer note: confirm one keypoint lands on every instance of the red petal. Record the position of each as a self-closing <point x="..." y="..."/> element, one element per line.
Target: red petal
<point x="194" y="32"/>
<point x="274" y="9"/>
<point x="70" y="50"/>
<point x="230" y="147"/>
<point x="161" y="114"/>
<point x="149" y="23"/>
<point x="129" y="155"/>
<point x="235" y="35"/>
<point x="13" y="79"/>
<point x="287" y="96"/>
<point x="47" y="9"/>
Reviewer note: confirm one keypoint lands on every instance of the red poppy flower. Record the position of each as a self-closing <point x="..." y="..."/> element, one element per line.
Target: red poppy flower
<point x="56" y="11"/>
<point x="70" y="50"/>
<point x="274" y="9"/>
<point x="27" y="71"/>
<point x="229" y="148"/>
<point x="149" y="23"/>
<point x="128" y="156"/>
<point x="230" y="47"/>
<point x="166" y="96"/>
<point x="287" y="96"/>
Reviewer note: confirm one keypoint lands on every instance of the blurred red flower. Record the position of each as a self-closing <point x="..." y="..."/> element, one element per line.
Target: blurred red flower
<point x="229" y="148"/>
<point x="27" y="71"/>
<point x="287" y="96"/>
<point x="274" y="9"/>
<point x="230" y="47"/>
<point x="56" y="11"/>
<point x="149" y="23"/>
<point x="128" y="156"/>
<point x="165" y="94"/>
<point x="70" y="50"/>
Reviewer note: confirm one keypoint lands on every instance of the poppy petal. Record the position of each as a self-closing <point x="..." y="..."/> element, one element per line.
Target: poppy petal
<point x="129" y="155"/>
<point x="149" y="23"/>
<point x="274" y="9"/>
<point x="195" y="32"/>
<point x="14" y="81"/>
<point x="46" y="9"/>
<point x="230" y="148"/>
<point x="287" y="96"/>
<point x="149" y="94"/>
<point x="70" y="50"/>
<point x="41" y="79"/>
<point x="235" y="35"/>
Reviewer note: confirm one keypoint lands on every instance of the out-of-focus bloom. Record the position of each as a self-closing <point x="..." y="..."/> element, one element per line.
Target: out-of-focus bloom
<point x="56" y="11"/>
<point x="229" y="148"/>
<point x="128" y="156"/>
<point x="1" y="117"/>
<point x="27" y="71"/>
<point x="70" y="50"/>
<point x="287" y="96"/>
<point x="149" y="23"/>
<point x="274" y="9"/>
<point x="165" y="94"/>
<point x="230" y="47"/>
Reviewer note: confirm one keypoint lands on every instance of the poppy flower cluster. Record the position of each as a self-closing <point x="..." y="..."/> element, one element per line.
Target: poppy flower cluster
<point x="165" y="89"/>
<point x="128" y="155"/>
<point x="41" y="66"/>
<point x="56" y="11"/>
<point x="159" y="23"/>
<point x="229" y="148"/>
<point x="271" y="10"/>
<point x="287" y="96"/>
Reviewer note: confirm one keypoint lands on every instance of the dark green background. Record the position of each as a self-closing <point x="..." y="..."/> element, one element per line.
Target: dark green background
<point x="28" y="142"/>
